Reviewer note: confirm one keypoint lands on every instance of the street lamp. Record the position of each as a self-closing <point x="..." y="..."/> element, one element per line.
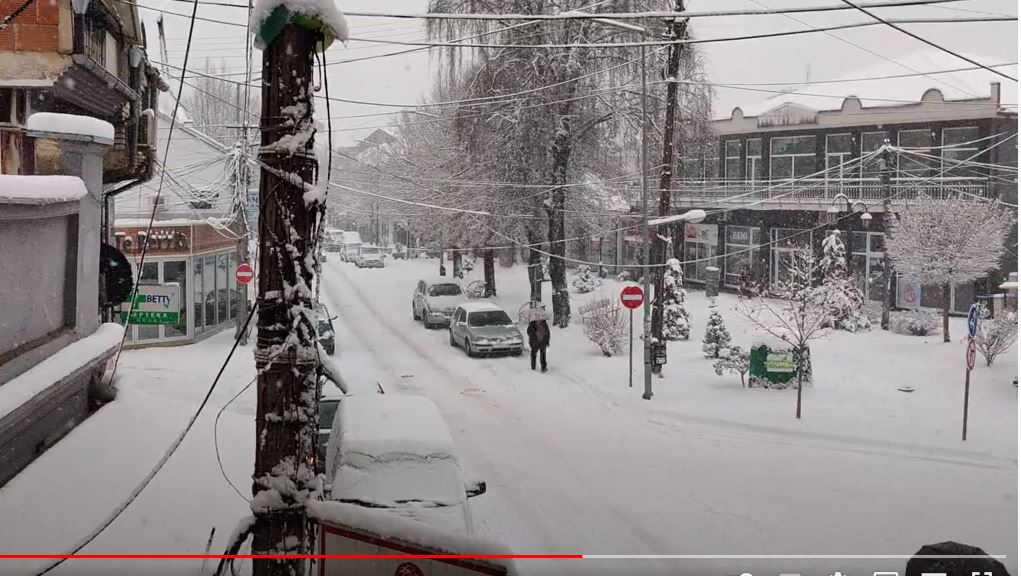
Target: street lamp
<point x="849" y="206"/>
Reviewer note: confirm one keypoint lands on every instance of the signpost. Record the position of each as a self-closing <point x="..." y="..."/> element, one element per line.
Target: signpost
<point x="631" y="297"/>
<point x="969" y="361"/>
<point x="244" y="273"/>
<point x="154" y="304"/>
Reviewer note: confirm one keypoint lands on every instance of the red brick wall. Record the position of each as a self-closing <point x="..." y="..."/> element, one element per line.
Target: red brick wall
<point x="34" y="30"/>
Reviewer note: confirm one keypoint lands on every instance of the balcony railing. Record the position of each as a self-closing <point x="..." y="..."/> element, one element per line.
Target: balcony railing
<point x="821" y="192"/>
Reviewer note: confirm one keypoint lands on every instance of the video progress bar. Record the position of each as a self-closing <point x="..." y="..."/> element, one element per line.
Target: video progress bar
<point x="786" y="556"/>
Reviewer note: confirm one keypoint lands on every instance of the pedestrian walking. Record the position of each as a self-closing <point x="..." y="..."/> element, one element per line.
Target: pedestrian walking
<point x="538" y="340"/>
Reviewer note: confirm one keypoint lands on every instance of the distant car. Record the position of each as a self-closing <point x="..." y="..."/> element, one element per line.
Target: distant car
<point x="435" y="300"/>
<point x="485" y="328"/>
<point x="393" y="452"/>
<point x="324" y="328"/>
<point x="369" y="257"/>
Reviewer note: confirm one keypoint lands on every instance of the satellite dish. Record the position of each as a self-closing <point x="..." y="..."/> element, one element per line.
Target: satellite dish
<point x="116" y="273"/>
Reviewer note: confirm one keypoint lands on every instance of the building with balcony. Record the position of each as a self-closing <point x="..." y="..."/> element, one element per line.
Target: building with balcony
<point x="784" y="170"/>
<point x="78" y="57"/>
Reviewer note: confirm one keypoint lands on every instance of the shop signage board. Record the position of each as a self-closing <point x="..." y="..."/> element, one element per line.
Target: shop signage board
<point x="154" y="304"/>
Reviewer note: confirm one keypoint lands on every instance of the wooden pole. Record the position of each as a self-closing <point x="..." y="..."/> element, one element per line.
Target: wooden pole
<point x="285" y="358"/>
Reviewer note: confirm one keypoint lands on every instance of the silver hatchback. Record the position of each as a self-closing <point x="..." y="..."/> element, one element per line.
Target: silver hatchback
<point x="484" y="328"/>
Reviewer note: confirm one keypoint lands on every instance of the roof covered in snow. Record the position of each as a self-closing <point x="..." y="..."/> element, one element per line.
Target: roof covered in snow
<point x="887" y="83"/>
<point x="71" y="124"/>
<point x="40" y="190"/>
<point x="382" y="424"/>
<point x="480" y="307"/>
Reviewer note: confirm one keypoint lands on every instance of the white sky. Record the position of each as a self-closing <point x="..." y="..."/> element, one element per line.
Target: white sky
<point x="407" y="78"/>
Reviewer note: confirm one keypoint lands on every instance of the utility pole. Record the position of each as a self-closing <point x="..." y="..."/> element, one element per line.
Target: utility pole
<point x="241" y="183"/>
<point x="285" y="357"/>
<point x="646" y="317"/>
<point x="888" y="281"/>
<point x="677" y="30"/>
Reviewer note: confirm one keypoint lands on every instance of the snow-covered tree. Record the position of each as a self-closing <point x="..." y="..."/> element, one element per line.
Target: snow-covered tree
<point x="585" y="281"/>
<point x="948" y="243"/>
<point x="717" y="337"/>
<point x="920" y="322"/>
<point x="606" y="324"/>
<point x="801" y="312"/>
<point x="732" y="359"/>
<point x="995" y="335"/>
<point x="849" y="301"/>
<point x="676" y="322"/>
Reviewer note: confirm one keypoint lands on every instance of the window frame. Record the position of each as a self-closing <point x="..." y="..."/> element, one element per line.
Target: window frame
<point x="792" y="157"/>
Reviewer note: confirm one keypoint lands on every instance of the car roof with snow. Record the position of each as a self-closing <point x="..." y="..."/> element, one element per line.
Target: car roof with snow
<point x="470" y="307"/>
<point x="440" y="280"/>
<point x="381" y="424"/>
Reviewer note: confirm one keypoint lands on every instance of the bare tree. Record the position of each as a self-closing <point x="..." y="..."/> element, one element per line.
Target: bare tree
<point x="800" y="313"/>
<point x="948" y="243"/>
<point x="215" y="105"/>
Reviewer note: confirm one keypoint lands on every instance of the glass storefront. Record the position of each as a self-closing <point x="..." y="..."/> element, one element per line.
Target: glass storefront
<point x="701" y="247"/>
<point x="162" y="272"/>
<point x="742" y="250"/>
<point x="787" y="242"/>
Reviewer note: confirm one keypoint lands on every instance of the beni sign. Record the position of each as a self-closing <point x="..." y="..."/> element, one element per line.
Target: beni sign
<point x="154" y="304"/>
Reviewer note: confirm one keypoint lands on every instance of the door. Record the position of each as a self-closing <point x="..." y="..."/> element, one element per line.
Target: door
<point x="457" y="327"/>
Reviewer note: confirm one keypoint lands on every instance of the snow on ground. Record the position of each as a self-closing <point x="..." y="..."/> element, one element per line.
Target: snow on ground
<point x="575" y="461"/>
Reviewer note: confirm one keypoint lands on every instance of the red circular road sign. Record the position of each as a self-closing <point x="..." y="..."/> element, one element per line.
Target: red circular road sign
<point x="244" y="273"/>
<point x="632" y="297"/>
<point x="969" y="356"/>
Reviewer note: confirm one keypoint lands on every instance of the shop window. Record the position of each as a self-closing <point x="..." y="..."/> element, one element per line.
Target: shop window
<point x="198" y="299"/>
<point x="732" y="165"/>
<point x="742" y="250"/>
<point x="222" y="290"/>
<point x="150" y="275"/>
<point x="175" y="271"/>
<point x="209" y="288"/>
<point x="838" y="152"/>
<point x="234" y="287"/>
<point x="700" y="250"/>
<point x="753" y="160"/>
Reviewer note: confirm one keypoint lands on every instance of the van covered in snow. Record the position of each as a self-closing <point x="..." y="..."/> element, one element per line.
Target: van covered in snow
<point x="351" y="242"/>
<point x="393" y="452"/>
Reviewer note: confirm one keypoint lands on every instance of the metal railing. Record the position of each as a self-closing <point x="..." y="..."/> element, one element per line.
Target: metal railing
<point x="824" y="191"/>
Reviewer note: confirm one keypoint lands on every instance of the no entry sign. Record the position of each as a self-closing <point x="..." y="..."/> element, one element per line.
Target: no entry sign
<point x="244" y="273"/>
<point x="969" y="355"/>
<point x="632" y="297"/>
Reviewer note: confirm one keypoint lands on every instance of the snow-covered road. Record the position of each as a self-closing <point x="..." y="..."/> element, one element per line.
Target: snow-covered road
<point x="574" y="470"/>
<point x="575" y="461"/>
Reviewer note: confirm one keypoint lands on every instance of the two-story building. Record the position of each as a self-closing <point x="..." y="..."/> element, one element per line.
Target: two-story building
<point x="786" y="169"/>
<point x="78" y="57"/>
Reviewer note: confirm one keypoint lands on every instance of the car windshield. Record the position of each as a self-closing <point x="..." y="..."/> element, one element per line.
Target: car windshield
<point x="444" y="290"/>
<point x="489" y="318"/>
<point x="370" y="250"/>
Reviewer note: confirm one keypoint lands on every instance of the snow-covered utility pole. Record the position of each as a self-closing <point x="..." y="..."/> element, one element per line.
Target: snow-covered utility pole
<point x="286" y="356"/>
<point x="646" y="316"/>
<point x="678" y="29"/>
<point x="888" y="281"/>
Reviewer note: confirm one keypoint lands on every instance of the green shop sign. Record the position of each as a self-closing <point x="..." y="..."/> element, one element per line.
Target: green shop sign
<point x="775" y="368"/>
<point x="154" y="304"/>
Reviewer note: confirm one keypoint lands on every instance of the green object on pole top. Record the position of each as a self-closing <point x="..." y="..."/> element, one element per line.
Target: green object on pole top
<point x="280" y="17"/>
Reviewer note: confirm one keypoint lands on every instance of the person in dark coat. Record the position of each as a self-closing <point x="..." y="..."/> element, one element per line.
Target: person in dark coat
<point x="538" y="341"/>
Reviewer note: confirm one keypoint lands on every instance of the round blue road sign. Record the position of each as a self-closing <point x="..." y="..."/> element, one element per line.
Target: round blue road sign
<point x="972" y="320"/>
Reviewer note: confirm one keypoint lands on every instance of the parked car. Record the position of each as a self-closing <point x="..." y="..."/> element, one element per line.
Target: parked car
<point x="350" y="243"/>
<point x="435" y="300"/>
<point x="329" y="400"/>
<point x="485" y="328"/>
<point x="324" y="327"/>
<point x="393" y="452"/>
<point x="369" y="257"/>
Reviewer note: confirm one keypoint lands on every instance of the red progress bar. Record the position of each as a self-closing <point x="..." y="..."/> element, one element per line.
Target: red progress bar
<point x="296" y="556"/>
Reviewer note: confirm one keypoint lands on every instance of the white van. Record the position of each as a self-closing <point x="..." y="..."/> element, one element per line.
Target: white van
<point x="352" y="241"/>
<point x="393" y="452"/>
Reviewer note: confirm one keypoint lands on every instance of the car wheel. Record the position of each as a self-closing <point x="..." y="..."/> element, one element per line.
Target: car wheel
<point x="452" y="341"/>
<point x="414" y="313"/>
<point x="468" y="348"/>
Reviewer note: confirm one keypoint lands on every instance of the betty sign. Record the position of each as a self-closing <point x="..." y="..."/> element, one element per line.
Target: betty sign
<point x="154" y="304"/>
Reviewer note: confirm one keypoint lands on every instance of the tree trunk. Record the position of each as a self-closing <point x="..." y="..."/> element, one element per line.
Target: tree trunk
<point x="946" y="312"/>
<point x="659" y="249"/>
<point x="489" y="273"/>
<point x="455" y="257"/>
<point x="534" y="270"/>
<point x="561" y="155"/>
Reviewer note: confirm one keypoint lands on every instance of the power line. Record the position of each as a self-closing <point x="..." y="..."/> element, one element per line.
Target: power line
<point x="893" y="24"/>
<point x="17" y="11"/>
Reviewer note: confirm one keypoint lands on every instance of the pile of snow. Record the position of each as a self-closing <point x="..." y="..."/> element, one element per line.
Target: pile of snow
<point x="40" y="190"/>
<point x="59" y="366"/>
<point x="70" y="124"/>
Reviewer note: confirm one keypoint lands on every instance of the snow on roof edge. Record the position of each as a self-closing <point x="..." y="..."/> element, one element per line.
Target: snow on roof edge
<point x="65" y="362"/>
<point x="40" y="190"/>
<point x="70" y="124"/>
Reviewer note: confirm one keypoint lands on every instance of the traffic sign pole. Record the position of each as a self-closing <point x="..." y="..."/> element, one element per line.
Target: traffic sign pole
<point x="969" y="361"/>
<point x="631" y="297"/>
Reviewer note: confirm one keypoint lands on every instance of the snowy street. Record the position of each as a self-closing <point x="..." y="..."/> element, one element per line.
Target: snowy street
<point x="575" y="461"/>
